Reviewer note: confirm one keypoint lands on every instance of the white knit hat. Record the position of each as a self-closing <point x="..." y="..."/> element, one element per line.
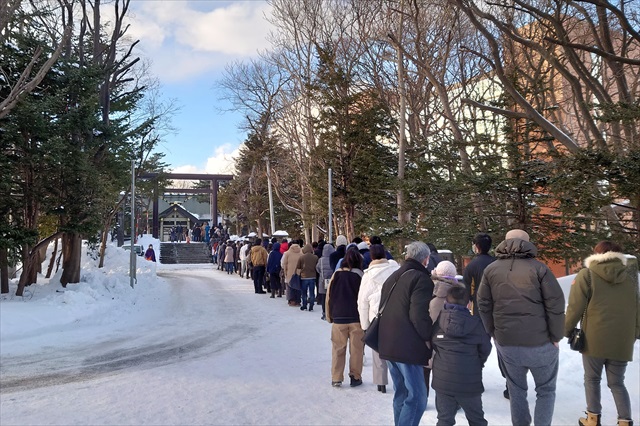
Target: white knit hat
<point x="445" y="269"/>
<point x="341" y="241"/>
<point x="517" y="233"/>
<point x="363" y="246"/>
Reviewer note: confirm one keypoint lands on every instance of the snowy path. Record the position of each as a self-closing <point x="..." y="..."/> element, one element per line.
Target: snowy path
<point x="210" y="351"/>
<point x="185" y="332"/>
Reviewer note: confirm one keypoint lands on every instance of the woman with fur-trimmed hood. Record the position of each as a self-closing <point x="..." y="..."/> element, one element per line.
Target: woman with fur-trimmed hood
<point x="606" y="293"/>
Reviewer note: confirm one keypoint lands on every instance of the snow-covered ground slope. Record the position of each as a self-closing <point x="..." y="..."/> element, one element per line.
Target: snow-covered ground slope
<point x="193" y="345"/>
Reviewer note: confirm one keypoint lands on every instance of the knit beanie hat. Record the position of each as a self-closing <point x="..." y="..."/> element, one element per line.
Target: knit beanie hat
<point x="341" y="241"/>
<point x="363" y="246"/>
<point x="517" y="233"/>
<point x="445" y="269"/>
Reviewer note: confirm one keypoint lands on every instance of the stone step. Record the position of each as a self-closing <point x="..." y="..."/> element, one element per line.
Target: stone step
<point x="183" y="253"/>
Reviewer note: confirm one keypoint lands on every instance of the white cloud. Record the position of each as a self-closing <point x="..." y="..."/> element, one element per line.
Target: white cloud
<point x="183" y="40"/>
<point x="222" y="162"/>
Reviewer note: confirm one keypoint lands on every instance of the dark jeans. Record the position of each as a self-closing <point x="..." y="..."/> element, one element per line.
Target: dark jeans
<point x="258" y="278"/>
<point x="308" y="287"/>
<point x="447" y="406"/>
<point x="410" y="397"/>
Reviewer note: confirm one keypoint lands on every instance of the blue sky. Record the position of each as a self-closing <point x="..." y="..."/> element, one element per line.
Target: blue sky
<point x="189" y="43"/>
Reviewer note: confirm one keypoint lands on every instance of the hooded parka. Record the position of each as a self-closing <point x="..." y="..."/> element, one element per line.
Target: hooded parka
<point x="441" y="286"/>
<point x="461" y="347"/>
<point x="307" y="263"/>
<point x="519" y="300"/>
<point x="290" y="261"/>
<point x="609" y="291"/>
<point x="323" y="268"/>
<point x="371" y="287"/>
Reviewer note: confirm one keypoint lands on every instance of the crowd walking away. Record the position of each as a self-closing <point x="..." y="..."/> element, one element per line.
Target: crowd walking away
<point x="436" y="323"/>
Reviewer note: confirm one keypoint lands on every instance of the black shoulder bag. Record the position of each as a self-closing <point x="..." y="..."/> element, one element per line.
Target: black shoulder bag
<point x="576" y="338"/>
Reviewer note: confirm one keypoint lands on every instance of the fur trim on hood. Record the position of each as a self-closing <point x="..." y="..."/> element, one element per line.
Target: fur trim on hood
<point x="610" y="255"/>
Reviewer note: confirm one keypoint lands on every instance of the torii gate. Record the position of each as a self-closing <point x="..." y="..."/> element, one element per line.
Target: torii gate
<point x="212" y="191"/>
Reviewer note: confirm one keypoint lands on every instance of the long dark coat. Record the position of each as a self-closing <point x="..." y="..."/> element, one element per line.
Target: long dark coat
<point x="405" y="325"/>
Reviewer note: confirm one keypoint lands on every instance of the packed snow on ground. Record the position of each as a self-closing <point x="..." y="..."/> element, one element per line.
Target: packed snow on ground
<point x="197" y="346"/>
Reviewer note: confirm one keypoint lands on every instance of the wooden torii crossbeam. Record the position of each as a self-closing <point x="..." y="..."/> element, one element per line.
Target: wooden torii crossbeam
<point x="212" y="191"/>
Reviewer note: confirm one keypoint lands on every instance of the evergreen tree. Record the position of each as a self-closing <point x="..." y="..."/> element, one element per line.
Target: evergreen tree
<point x="355" y="130"/>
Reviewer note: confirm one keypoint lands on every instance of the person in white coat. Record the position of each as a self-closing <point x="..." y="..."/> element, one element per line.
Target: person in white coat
<point x="369" y="300"/>
<point x="244" y="259"/>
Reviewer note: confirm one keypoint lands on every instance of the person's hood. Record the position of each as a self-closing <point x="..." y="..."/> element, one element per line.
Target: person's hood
<point x="308" y="248"/>
<point x="327" y="250"/>
<point x="610" y="266"/>
<point x="441" y="285"/>
<point x="456" y="320"/>
<point x="380" y="263"/>
<point x="294" y="248"/>
<point x="516" y="248"/>
<point x="379" y="267"/>
<point x="276" y="247"/>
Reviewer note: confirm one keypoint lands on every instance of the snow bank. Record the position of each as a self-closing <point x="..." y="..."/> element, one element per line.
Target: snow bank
<point x="103" y="296"/>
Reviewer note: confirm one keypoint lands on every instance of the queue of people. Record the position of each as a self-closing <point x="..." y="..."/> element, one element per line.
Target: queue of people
<point x="438" y="327"/>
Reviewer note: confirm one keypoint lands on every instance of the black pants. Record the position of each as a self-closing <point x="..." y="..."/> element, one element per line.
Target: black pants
<point x="447" y="406"/>
<point x="274" y="280"/>
<point x="258" y="278"/>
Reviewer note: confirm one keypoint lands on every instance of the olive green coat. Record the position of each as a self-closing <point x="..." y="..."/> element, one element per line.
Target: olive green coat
<point x="610" y="293"/>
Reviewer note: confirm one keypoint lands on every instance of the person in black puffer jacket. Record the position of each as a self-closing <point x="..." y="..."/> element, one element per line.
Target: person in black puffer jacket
<point x="461" y="347"/>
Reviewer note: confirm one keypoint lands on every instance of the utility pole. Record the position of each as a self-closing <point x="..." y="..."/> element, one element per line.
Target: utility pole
<point x="330" y="208"/>
<point x="132" y="258"/>
<point x="271" y="213"/>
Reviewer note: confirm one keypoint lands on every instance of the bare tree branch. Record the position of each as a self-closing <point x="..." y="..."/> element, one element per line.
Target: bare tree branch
<point x="26" y="83"/>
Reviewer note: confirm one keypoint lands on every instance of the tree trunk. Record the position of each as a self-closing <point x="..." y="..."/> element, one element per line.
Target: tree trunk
<point x="53" y="259"/>
<point x="402" y="121"/>
<point x="105" y="236"/>
<point x="31" y="260"/>
<point x="72" y="255"/>
<point x="29" y="269"/>
<point x="4" y="271"/>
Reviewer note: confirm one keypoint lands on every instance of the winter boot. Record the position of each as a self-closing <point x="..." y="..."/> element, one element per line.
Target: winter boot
<point x="354" y="382"/>
<point x="273" y="294"/>
<point x="310" y="307"/>
<point x="622" y="422"/>
<point x="592" y="419"/>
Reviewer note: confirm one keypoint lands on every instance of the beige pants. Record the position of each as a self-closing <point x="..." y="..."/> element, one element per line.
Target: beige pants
<point x="341" y="334"/>
<point x="380" y="376"/>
